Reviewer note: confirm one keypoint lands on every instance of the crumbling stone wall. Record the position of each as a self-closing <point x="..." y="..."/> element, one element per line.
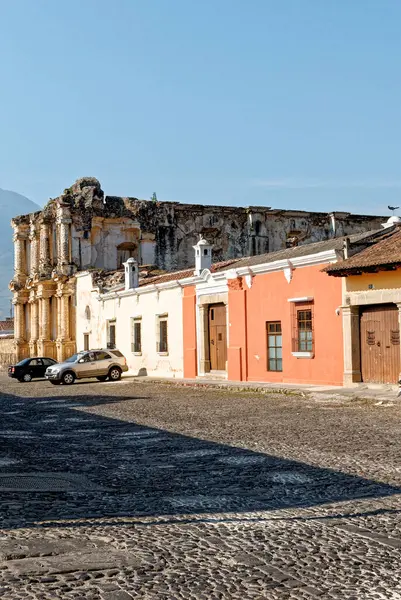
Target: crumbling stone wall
<point x="163" y="233"/>
<point x="170" y="229"/>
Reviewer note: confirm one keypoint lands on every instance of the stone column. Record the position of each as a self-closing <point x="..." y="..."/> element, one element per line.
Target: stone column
<point x="64" y="242"/>
<point x="34" y="326"/>
<point x="44" y="246"/>
<point x="64" y="317"/>
<point x="20" y="237"/>
<point x="20" y="334"/>
<point x="352" y="345"/>
<point x="204" y="351"/>
<point x="33" y="237"/>
<point x="44" y="325"/>
<point x="19" y="321"/>
<point x="65" y="345"/>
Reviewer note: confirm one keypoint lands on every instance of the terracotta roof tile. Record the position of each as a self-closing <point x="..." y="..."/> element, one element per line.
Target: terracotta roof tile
<point x="303" y="250"/>
<point x="7" y="325"/>
<point x="381" y="255"/>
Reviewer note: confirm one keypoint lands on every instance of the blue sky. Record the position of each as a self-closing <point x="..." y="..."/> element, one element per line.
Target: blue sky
<point x="283" y="103"/>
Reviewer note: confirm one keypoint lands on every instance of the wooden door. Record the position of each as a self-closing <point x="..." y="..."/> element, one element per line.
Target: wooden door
<point x="380" y="344"/>
<point x="217" y="337"/>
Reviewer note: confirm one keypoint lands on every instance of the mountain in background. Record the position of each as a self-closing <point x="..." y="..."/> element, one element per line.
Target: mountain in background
<point x="11" y="205"/>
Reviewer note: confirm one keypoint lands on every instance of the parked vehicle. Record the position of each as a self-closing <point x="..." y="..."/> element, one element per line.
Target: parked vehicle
<point x="102" y="364"/>
<point x="30" y="368"/>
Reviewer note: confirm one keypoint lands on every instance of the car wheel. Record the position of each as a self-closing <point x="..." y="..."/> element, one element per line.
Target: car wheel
<point x="115" y="373"/>
<point x="102" y="378"/>
<point x="68" y="378"/>
<point x="55" y="382"/>
<point x="27" y="378"/>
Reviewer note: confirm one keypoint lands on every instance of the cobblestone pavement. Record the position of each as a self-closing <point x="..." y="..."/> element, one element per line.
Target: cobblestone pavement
<point x="114" y="491"/>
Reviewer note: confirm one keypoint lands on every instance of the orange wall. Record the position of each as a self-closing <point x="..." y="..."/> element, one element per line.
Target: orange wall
<point x="267" y="300"/>
<point x="189" y="327"/>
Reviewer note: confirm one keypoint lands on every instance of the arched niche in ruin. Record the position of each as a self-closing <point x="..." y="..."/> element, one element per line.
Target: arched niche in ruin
<point x="125" y="251"/>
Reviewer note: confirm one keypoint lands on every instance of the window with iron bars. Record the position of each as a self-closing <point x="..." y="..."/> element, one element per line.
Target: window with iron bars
<point x="303" y="338"/>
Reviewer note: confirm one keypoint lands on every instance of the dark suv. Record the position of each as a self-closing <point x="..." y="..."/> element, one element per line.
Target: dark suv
<point x="30" y="368"/>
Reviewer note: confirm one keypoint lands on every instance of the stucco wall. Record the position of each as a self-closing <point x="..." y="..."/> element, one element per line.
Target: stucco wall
<point x="383" y="280"/>
<point x="267" y="300"/>
<point x="146" y="306"/>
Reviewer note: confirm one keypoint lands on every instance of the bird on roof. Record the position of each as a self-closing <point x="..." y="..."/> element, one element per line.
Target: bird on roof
<point x="393" y="208"/>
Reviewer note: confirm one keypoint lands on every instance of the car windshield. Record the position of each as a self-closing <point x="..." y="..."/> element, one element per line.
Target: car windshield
<point x="74" y="358"/>
<point x="23" y="362"/>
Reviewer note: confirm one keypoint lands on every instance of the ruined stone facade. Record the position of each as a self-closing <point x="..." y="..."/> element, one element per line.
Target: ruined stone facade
<point x="82" y="229"/>
<point x="74" y="232"/>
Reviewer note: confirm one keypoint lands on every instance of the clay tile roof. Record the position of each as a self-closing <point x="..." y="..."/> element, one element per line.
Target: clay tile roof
<point x="177" y="275"/>
<point x="7" y="325"/>
<point x="303" y="250"/>
<point x="385" y="254"/>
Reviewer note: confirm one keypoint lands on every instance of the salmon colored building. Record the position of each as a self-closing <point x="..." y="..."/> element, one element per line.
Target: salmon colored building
<point x="270" y="318"/>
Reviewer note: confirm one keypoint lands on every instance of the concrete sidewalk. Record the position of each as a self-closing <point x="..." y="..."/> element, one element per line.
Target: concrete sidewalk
<point x="374" y="392"/>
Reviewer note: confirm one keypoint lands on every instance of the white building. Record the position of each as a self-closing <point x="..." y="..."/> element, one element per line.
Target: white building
<point x="142" y="319"/>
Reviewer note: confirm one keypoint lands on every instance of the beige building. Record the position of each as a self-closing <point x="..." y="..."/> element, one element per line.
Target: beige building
<point x="371" y="308"/>
<point x="74" y="232"/>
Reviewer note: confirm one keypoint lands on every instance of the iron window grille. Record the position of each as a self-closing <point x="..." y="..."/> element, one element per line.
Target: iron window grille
<point x="303" y="335"/>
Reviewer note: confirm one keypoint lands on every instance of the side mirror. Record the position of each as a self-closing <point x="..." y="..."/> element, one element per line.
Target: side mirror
<point x="81" y="360"/>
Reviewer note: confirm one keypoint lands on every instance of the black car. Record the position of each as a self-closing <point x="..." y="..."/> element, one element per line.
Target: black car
<point x="30" y="368"/>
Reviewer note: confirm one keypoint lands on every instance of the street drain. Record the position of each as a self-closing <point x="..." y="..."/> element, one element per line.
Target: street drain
<point x="46" y="482"/>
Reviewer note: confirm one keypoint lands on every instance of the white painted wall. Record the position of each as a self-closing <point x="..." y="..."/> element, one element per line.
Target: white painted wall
<point x="124" y="307"/>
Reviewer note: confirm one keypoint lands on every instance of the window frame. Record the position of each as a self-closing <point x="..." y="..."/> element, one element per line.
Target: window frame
<point x="135" y="347"/>
<point x="303" y="346"/>
<point x="276" y="333"/>
<point x="111" y="323"/>
<point x="162" y="345"/>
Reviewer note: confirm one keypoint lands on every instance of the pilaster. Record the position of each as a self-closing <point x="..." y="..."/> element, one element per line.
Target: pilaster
<point x="352" y="345"/>
<point x="204" y="354"/>
<point x="399" y="323"/>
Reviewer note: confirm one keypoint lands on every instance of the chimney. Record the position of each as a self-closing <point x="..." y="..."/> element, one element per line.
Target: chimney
<point x="131" y="274"/>
<point x="346" y="245"/>
<point x="203" y="256"/>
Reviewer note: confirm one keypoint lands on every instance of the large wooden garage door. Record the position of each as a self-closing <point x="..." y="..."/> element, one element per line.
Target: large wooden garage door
<point x="380" y="344"/>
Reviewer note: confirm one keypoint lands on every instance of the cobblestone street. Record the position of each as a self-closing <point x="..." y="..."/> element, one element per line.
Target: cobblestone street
<point x="127" y="490"/>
